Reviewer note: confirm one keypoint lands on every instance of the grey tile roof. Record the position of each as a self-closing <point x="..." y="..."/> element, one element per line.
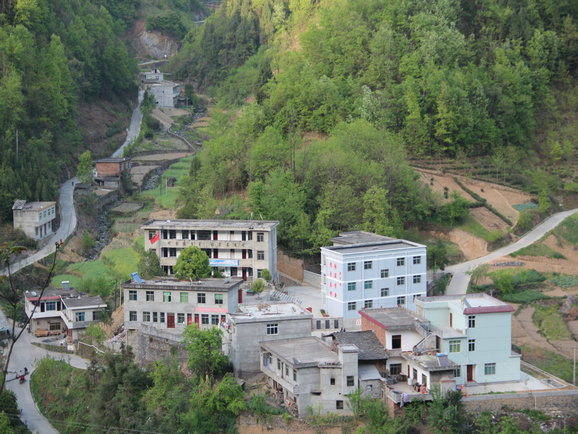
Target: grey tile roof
<point x="369" y="346"/>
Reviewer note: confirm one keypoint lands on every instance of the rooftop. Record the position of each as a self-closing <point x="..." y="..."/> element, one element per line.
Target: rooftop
<point x="50" y="294"/>
<point x="265" y="311"/>
<point x="169" y="283"/>
<point x="31" y="206"/>
<point x="358" y="237"/>
<point x="211" y="224"/>
<point x="374" y="246"/>
<point x="432" y="362"/>
<point x="393" y="318"/>
<point x="112" y="160"/>
<point x="301" y="352"/>
<point x="84" y="301"/>
<point x="369" y="346"/>
<point x="476" y="303"/>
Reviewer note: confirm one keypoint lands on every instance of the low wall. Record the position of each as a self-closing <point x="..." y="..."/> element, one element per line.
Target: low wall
<point x="312" y="279"/>
<point x="156" y="345"/>
<point x="559" y="401"/>
<point x="292" y="267"/>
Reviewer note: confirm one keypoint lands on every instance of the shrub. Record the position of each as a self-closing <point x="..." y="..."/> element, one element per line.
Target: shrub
<point x="524" y="297"/>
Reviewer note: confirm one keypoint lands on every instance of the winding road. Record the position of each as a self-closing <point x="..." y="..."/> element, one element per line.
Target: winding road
<point x="460" y="277"/>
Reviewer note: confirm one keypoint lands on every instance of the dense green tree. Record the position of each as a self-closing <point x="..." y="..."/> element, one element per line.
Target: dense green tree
<point x="192" y="263"/>
<point x="206" y="360"/>
<point x="149" y="265"/>
<point x="84" y="169"/>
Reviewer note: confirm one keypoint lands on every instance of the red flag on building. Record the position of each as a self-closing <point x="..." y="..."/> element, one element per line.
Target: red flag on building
<point x="156" y="237"/>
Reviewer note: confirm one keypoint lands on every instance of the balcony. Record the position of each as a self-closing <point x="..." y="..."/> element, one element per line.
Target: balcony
<point x="208" y="244"/>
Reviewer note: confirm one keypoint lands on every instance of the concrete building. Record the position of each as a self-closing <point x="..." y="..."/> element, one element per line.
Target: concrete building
<point x="308" y="373"/>
<point x="35" y="219"/>
<point x="108" y="171"/>
<point x="238" y="248"/>
<point x="254" y="324"/>
<point x="62" y="311"/>
<point x="482" y="342"/>
<point x="152" y="76"/>
<point x="363" y="271"/>
<point x="173" y="304"/>
<point x="165" y="93"/>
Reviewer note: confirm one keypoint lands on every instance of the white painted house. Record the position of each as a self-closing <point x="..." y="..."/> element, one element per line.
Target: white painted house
<point x="363" y="270"/>
<point x="35" y="219"/>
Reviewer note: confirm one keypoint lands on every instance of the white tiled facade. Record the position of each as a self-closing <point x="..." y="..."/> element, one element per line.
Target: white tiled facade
<point x="369" y="275"/>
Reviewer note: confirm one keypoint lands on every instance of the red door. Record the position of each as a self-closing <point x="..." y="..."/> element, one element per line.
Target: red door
<point x="470" y="373"/>
<point x="171" y="320"/>
<point x="189" y="318"/>
<point x="244" y="273"/>
<point x="240" y="296"/>
<point x="451" y="320"/>
<point x="197" y="322"/>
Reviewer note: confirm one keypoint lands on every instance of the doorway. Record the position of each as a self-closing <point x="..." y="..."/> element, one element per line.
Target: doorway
<point x="470" y="373"/>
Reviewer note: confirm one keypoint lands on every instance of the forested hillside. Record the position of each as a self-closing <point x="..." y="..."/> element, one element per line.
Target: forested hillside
<point x="54" y="54"/>
<point x="320" y="103"/>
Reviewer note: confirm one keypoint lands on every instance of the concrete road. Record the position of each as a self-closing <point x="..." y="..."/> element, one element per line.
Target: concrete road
<point x="27" y="355"/>
<point x="134" y="127"/>
<point x="460" y="279"/>
<point x="67" y="226"/>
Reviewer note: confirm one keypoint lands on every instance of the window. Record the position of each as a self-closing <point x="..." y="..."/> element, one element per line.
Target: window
<point x="94" y="315"/>
<point x="167" y="296"/>
<point x="332" y="381"/>
<point x="205" y="318"/>
<point x="215" y="320"/>
<point x="273" y="329"/>
<point x="155" y="317"/>
<point x="278" y="364"/>
<point x="150" y="295"/>
<point x="335" y="323"/>
<point x="395" y="369"/>
<point x="350" y="381"/>
<point x="132" y="315"/>
<point x="294" y="375"/>
<point x="384" y="292"/>
<point x="351" y="266"/>
<point x="339" y="405"/>
<point x="401" y="280"/>
<point x="79" y="316"/>
<point x="385" y="273"/>
<point x="368" y="304"/>
<point x="490" y="369"/>
<point x="401" y="300"/>
<point x="259" y="273"/>
<point x="146" y="316"/>
<point x="400" y="262"/>
<point x="318" y="324"/>
<point x="396" y="342"/>
<point x="367" y="265"/>
<point x="286" y="370"/>
<point x="50" y="305"/>
<point x="455" y="346"/>
<point x="132" y="295"/>
<point x="260" y="255"/>
<point x="172" y="234"/>
<point x="471" y="345"/>
<point x="162" y="317"/>
<point x="351" y="305"/>
<point x="218" y="298"/>
<point x="54" y="326"/>
<point x="172" y="252"/>
<point x="416" y="260"/>
<point x="351" y="286"/>
<point x="201" y="298"/>
<point x="180" y="318"/>
<point x="184" y="297"/>
<point x="457" y="372"/>
<point x="260" y="237"/>
<point x="471" y="321"/>
<point x="368" y="284"/>
<point x="417" y="279"/>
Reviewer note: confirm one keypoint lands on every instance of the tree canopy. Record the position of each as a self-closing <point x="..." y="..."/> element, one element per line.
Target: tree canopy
<point x="192" y="263"/>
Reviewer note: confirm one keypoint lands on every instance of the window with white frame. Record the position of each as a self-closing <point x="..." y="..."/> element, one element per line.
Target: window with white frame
<point x="204" y="318"/>
<point x="79" y="316"/>
<point x="155" y="317"/>
<point x="368" y="304"/>
<point x="260" y="255"/>
<point x="385" y="273"/>
<point x="384" y="292"/>
<point x="184" y="297"/>
<point x="400" y="262"/>
<point x="401" y="300"/>
<point x="368" y="284"/>
<point x="351" y="286"/>
<point x="417" y="278"/>
<point x="401" y="280"/>
<point x="162" y="317"/>
<point x="132" y="295"/>
<point x="350" y="381"/>
<point x="471" y="321"/>
<point x="352" y="305"/>
<point x="50" y="305"/>
<point x="180" y="318"/>
<point x="416" y="260"/>
<point x="457" y="372"/>
<point x="490" y="369"/>
<point x="395" y="369"/>
<point x="471" y="345"/>
<point x="455" y="346"/>
<point x="351" y="266"/>
<point x="201" y="298"/>
<point x="146" y="316"/>
<point x="167" y="297"/>
<point x="132" y="315"/>
<point x="218" y="298"/>
<point x="273" y="328"/>
<point x="260" y="237"/>
<point x="150" y="296"/>
<point x="367" y="265"/>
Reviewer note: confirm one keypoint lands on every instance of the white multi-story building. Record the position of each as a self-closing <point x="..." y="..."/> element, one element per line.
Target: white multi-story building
<point x="34" y="218"/>
<point x="238" y="248"/>
<point x="363" y="270"/>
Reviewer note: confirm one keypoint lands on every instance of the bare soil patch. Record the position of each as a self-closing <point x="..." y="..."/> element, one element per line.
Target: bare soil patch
<point x="525" y="332"/>
<point x="127" y="207"/>
<point x="488" y="219"/>
<point x="440" y="182"/>
<point x="573" y="326"/>
<point x="472" y="247"/>
<point x="163" y="214"/>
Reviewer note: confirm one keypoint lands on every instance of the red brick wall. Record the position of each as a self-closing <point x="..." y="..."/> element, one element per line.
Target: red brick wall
<point x="109" y="169"/>
<point x="378" y="329"/>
